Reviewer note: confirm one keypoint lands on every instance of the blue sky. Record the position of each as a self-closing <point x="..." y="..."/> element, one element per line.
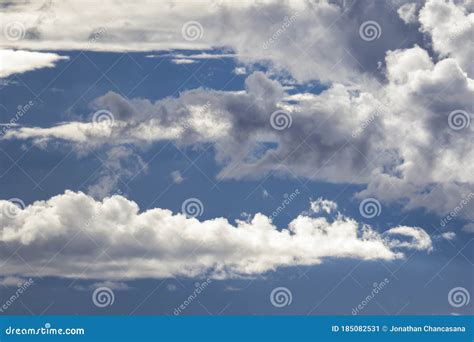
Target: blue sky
<point x="99" y="204"/>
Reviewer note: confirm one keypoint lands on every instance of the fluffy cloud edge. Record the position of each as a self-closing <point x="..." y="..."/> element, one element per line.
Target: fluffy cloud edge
<point x="21" y="61"/>
<point x="74" y="236"/>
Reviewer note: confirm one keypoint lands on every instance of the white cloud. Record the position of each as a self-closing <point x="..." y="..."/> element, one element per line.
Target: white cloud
<point x="177" y="177"/>
<point x="451" y="27"/>
<point x="417" y="238"/>
<point x="18" y="61"/>
<point x="312" y="40"/>
<point x="449" y="236"/>
<point x="12" y="281"/>
<point x="72" y="235"/>
<point x="183" y="61"/>
<point x="407" y="13"/>
<point x="392" y="136"/>
<point x="322" y="205"/>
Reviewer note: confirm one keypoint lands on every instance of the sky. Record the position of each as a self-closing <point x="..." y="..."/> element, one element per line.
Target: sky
<point x="236" y="158"/>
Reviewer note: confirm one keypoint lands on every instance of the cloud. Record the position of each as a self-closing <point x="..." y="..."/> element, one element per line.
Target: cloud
<point x="322" y="205"/>
<point x="390" y="130"/>
<point x="183" y="61"/>
<point x="113" y="285"/>
<point x="449" y="236"/>
<point x="177" y="177"/>
<point x="18" y="61"/>
<point x="73" y="235"/>
<point x="451" y="27"/>
<point x="12" y="281"/>
<point x="311" y="40"/>
<point x="386" y="137"/>
<point x="407" y="13"/>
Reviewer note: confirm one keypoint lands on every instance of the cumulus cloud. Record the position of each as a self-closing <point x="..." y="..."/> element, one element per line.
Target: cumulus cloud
<point x="407" y="13"/>
<point x="323" y="36"/>
<point x="390" y="131"/>
<point x="18" y="61"/>
<point x="73" y="235"/>
<point x="451" y="27"/>
<point x="323" y="205"/>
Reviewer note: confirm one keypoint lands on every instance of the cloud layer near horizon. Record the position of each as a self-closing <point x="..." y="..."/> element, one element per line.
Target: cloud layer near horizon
<point x="74" y="236"/>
